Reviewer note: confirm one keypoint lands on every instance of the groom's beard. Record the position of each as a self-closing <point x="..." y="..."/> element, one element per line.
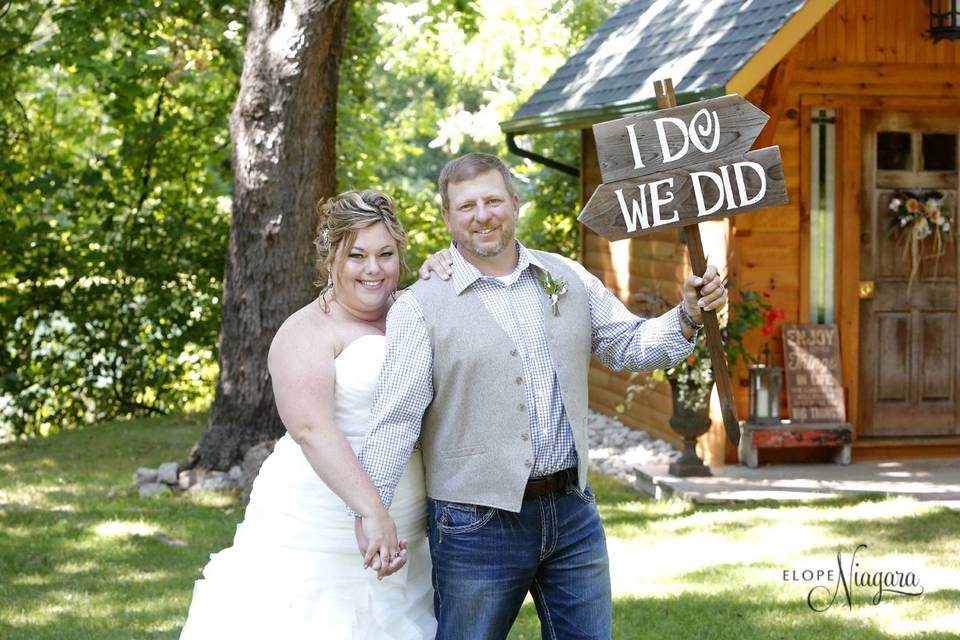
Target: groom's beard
<point x="488" y="251"/>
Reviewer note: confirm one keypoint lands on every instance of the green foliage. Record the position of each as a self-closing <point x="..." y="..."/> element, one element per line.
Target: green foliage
<point x="423" y="82"/>
<point x="114" y="205"/>
<point x="692" y="378"/>
<point x="115" y="177"/>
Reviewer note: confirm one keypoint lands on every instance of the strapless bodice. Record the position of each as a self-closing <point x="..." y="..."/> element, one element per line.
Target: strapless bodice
<point x="357" y="369"/>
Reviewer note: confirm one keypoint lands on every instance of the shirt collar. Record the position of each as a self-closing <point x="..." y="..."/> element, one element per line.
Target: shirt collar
<point x="465" y="273"/>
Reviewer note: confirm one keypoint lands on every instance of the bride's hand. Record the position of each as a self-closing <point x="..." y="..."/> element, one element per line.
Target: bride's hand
<point x="380" y="533"/>
<point x="362" y="544"/>
<point x="440" y="263"/>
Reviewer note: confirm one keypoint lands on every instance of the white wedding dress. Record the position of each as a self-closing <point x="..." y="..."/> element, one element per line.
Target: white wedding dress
<point x="294" y="571"/>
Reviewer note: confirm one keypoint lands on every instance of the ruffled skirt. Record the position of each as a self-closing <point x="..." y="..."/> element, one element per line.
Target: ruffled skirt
<point x="294" y="571"/>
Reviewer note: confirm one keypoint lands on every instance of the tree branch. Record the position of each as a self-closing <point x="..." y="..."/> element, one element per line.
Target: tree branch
<point x="152" y="151"/>
<point x="25" y="40"/>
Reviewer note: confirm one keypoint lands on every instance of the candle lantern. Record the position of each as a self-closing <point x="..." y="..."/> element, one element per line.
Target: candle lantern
<point x="765" y="384"/>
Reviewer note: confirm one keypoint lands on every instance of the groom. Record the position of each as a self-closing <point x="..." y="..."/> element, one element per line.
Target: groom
<point x="489" y="371"/>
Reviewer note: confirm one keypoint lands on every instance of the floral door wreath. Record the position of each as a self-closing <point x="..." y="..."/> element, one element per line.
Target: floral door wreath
<point x="914" y="217"/>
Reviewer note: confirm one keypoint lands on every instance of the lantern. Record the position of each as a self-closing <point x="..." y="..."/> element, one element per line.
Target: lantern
<point x="765" y="383"/>
<point x="944" y="20"/>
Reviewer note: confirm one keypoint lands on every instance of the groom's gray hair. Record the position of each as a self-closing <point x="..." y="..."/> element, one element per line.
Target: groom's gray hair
<point x="469" y="166"/>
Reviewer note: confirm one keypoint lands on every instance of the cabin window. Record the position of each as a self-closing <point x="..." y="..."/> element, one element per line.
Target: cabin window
<point x="893" y="151"/>
<point x="939" y="152"/>
<point x="822" y="214"/>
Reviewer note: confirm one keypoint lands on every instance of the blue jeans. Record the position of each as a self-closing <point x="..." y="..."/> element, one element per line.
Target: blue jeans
<point x="485" y="560"/>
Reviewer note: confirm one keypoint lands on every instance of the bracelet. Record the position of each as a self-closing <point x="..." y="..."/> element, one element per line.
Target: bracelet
<point x="686" y="320"/>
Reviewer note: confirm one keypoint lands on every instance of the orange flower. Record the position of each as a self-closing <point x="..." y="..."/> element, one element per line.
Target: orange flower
<point x="692" y="360"/>
<point x="913" y="205"/>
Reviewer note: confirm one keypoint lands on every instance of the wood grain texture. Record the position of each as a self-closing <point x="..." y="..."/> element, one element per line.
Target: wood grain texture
<point x="739" y="123"/>
<point x="604" y="213"/>
<point x="718" y="356"/>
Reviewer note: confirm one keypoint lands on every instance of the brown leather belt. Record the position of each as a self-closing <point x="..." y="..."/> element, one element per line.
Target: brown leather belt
<point x="552" y="483"/>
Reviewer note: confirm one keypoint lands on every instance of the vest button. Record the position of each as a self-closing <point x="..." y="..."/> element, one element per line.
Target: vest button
<point x="528" y="464"/>
<point x="519" y="380"/>
<point x="521" y="407"/>
<point x="513" y="352"/>
<point x="524" y="436"/>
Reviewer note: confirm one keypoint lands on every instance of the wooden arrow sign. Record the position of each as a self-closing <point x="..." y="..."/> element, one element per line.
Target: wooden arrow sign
<point x="650" y="142"/>
<point x="677" y="167"/>
<point x="681" y="197"/>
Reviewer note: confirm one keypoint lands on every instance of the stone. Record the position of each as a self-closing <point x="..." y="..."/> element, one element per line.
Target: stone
<point x="167" y="473"/>
<point x="235" y="473"/>
<point x="251" y="466"/>
<point x="187" y="478"/>
<point x="216" y="481"/>
<point x="151" y="489"/>
<point x="145" y="475"/>
<point x="616" y="450"/>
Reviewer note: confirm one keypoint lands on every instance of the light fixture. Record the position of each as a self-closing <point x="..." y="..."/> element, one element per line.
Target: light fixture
<point x="944" y="20"/>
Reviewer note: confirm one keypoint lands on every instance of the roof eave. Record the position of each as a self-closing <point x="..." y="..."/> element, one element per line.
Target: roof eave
<point x="754" y="70"/>
<point x="582" y="118"/>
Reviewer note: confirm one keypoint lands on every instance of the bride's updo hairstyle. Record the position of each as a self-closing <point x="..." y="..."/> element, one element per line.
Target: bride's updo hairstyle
<point x="340" y="218"/>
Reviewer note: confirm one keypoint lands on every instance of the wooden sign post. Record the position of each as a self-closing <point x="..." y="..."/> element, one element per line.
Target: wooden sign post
<point x="696" y="165"/>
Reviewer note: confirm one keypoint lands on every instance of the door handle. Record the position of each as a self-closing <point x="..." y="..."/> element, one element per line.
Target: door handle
<point x="866" y="289"/>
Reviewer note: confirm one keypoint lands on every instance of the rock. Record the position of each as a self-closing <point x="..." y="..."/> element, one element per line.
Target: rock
<point x="235" y="473"/>
<point x="187" y="478"/>
<point x="213" y="481"/>
<point x="151" y="489"/>
<point x="217" y="481"/>
<point x="167" y="473"/>
<point x="145" y="475"/>
<point x="251" y="466"/>
<point x="616" y="450"/>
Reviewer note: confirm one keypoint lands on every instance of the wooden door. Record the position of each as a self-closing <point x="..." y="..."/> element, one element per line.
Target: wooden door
<point x="909" y="355"/>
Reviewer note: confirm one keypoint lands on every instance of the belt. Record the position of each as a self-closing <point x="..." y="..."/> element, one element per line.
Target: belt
<point x="552" y="483"/>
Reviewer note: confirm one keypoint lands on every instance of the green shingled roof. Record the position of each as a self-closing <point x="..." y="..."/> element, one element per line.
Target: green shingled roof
<point x="701" y="44"/>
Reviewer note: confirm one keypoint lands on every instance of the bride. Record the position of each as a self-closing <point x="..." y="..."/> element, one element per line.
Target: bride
<point x="293" y="570"/>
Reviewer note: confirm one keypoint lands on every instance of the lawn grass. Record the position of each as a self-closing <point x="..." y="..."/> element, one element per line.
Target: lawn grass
<point x="81" y="556"/>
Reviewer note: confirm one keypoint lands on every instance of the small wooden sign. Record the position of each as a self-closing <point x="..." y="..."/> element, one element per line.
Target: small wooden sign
<point x="814" y="382"/>
<point x="682" y="166"/>
<point x="679" y="197"/>
<point x="653" y="141"/>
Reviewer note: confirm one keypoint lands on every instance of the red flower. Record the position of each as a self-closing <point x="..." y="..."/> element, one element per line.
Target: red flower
<point x="692" y="360"/>
<point x="771" y="318"/>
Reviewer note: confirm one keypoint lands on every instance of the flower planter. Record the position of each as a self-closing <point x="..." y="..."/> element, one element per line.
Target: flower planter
<point x="689" y="423"/>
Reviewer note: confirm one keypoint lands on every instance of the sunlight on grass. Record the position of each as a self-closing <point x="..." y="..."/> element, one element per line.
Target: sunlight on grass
<point x="82" y="556"/>
<point x="117" y="529"/>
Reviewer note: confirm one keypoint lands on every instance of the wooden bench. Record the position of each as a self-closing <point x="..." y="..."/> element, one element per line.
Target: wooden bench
<point x="753" y="437"/>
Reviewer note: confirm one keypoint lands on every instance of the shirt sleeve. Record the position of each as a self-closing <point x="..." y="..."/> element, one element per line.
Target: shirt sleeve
<point x="404" y="390"/>
<point x="622" y="340"/>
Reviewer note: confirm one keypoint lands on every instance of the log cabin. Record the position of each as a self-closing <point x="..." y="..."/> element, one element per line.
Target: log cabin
<point x="864" y="103"/>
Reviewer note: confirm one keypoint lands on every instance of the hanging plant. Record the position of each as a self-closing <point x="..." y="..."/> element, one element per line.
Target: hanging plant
<point x="914" y="217"/>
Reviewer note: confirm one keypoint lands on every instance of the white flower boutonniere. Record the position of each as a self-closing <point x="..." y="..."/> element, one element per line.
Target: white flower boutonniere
<point x="554" y="287"/>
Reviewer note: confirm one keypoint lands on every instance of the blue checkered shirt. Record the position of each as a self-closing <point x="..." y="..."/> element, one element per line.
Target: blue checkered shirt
<point x="405" y="388"/>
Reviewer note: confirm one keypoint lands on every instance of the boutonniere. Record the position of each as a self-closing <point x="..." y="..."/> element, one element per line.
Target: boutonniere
<point x="554" y="287"/>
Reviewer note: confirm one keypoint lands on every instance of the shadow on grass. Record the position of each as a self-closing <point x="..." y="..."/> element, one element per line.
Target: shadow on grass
<point x="734" y="616"/>
<point x="81" y="555"/>
<point x="932" y="526"/>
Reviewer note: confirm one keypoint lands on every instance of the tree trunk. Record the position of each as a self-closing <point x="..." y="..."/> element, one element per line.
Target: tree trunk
<point x="283" y="128"/>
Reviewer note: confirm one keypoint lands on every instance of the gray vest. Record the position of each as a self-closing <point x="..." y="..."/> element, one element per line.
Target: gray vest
<point x="476" y="434"/>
